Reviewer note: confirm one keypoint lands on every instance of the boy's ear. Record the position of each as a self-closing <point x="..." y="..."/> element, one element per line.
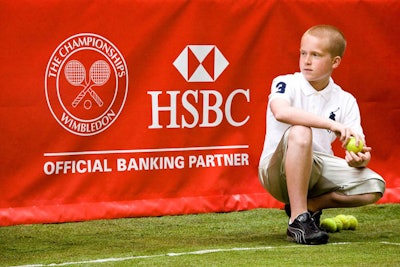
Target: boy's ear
<point x="336" y="62"/>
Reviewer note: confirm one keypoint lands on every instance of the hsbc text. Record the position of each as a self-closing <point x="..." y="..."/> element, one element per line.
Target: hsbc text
<point x="187" y="113"/>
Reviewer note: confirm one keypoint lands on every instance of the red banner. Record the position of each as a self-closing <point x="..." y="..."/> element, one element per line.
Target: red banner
<point x="145" y="108"/>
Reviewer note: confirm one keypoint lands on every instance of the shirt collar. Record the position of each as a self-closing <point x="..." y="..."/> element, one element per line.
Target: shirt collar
<point x="308" y="90"/>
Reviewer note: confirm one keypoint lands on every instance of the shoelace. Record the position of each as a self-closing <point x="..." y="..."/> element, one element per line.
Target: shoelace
<point x="313" y="226"/>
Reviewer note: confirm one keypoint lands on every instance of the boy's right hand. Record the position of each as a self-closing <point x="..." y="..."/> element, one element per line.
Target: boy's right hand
<point x="344" y="133"/>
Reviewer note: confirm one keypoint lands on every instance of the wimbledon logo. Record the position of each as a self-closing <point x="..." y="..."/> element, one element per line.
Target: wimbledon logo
<point x="200" y="63"/>
<point x="86" y="84"/>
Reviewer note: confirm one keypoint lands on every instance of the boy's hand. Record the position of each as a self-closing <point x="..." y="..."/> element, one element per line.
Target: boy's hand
<point x="360" y="159"/>
<point x="345" y="133"/>
<point x="357" y="160"/>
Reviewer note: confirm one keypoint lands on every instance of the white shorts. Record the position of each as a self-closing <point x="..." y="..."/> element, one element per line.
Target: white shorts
<point x="329" y="173"/>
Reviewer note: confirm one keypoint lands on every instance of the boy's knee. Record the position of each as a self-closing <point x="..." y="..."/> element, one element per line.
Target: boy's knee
<point x="300" y="135"/>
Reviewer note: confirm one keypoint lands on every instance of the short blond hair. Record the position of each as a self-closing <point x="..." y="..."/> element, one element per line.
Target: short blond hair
<point x="337" y="41"/>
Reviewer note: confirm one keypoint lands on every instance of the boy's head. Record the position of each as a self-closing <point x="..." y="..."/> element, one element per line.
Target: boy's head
<point x="321" y="51"/>
<point x="336" y="39"/>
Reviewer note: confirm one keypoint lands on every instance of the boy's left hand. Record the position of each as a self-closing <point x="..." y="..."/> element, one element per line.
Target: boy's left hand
<point x="360" y="159"/>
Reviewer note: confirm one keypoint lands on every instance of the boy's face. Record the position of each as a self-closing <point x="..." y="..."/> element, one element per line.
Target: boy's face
<point x="316" y="62"/>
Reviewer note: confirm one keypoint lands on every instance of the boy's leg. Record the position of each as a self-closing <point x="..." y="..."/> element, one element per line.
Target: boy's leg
<point x="298" y="165"/>
<point x="341" y="186"/>
<point x="335" y="200"/>
<point x="286" y="175"/>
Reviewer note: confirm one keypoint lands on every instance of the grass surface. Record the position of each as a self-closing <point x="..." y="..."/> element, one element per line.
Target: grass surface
<point x="247" y="238"/>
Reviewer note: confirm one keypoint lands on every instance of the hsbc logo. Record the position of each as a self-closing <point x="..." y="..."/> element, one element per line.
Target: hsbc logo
<point x="201" y="63"/>
<point x="199" y="107"/>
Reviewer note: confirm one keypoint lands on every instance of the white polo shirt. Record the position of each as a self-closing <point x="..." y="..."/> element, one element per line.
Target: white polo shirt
<point x="332" y="102"/>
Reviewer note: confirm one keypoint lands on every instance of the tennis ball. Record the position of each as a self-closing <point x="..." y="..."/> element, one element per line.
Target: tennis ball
<point x="353" y="222"/>
<point x="329" y="225"/>
<point x="351" y="145"/>
<point x="344" y="220"/>
<point x="339" y="224"/>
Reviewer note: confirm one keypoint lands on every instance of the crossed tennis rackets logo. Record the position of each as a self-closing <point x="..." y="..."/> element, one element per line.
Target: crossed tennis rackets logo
<point x="75" y="73"/>
<point x="86" y="101"/>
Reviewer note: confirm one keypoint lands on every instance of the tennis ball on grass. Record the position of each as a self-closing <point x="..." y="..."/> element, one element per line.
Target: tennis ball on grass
<point x="339" y="224"/>
<point x="351" y="145"/>
<point x="329" y="225"/>
<point x="353" y="222"/>
<point x="345" y="221"/>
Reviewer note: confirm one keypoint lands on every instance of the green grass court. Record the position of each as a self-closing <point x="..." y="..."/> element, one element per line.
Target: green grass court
<point x="247" y="238"/>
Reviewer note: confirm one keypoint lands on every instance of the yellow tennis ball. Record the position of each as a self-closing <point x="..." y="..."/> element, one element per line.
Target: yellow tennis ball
<point x="351" y="145"/>
<point x="339" y="224"/>
<point x="353" y="222"/>
<point x="329" y="225"/>
<point x="345" y="221"/>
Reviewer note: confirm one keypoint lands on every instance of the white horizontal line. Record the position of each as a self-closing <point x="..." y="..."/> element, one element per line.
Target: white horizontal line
<point x="145" y="150"/>
<point x="198" y="252"/>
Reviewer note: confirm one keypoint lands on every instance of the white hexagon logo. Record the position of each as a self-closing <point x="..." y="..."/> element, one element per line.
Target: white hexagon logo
<point x="200" y="63"/>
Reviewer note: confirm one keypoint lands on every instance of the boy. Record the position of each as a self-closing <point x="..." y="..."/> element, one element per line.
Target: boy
<point x="306" y="112"/>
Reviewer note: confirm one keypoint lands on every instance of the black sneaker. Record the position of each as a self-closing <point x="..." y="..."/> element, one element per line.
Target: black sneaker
<point x="315" y="215"/>
<point x="317" y="218"/>
<point x="304" y="231"/>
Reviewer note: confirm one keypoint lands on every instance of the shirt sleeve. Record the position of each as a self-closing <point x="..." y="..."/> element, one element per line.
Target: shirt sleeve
<point x="281" y="88"/>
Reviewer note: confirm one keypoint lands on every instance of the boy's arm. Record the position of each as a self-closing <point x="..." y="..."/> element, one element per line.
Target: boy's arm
<point x="285" y="113"/>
